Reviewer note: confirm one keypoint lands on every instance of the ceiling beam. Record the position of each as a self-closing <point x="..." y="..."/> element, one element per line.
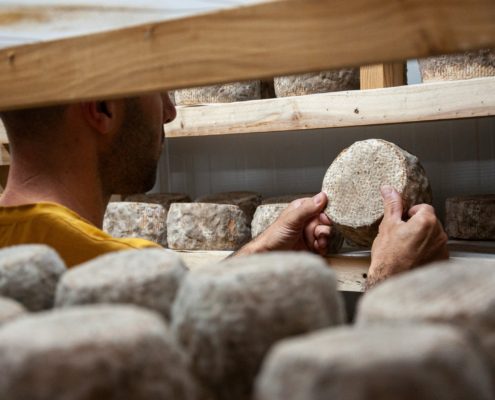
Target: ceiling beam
<point x="269" y="39"/>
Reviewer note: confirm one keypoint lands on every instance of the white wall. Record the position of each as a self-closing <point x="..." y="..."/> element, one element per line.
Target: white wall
<point x="459" y="157"/>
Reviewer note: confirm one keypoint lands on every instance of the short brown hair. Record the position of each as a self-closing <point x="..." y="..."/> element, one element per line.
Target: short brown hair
<point x="32" y="121"/>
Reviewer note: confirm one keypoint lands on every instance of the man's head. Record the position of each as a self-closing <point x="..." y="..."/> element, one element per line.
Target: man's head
<point x="129" y="165"/>
<point x="124" y="136"/>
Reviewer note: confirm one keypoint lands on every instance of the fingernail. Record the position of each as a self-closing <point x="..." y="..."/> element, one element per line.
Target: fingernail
<point x="319" y="198"/>
<point x="386" y="190"/>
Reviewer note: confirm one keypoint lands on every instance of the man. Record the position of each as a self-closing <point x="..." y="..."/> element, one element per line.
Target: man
<point x="68" y="160"/>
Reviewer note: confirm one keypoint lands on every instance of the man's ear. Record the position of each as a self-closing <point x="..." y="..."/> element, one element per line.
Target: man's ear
<point x="103" y="116"/>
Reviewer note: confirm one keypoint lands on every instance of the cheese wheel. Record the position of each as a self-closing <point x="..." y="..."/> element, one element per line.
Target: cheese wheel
<point x="10" y="310"/>
<point x="136" y="220"/>
<point x="353" y="181"/>
<point x="474" y="64"/>
<point x="164" y="199"/>
<point x="470" y="217"/>
<point x="265" y="215"/>
<point x="225" y="93"/>
<point x="205" y="226"/>
<point x="246" y="201"/>
<point x="29" y="275"/>
<point x="408" y="362"/>
<point x="320" y="82"/>
<point x="147" y="278"/>
<point x="92" y="352"/>
<point x="227" y="316"/>
<point x="458" y="292"/>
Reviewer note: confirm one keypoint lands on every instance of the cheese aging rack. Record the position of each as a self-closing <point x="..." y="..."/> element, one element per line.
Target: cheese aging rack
<point x="267" y="39"/>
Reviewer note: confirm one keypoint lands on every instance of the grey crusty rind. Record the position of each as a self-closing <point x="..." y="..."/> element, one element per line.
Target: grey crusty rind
<point x="319" y="82"/>
<point x="227" y="316"/>
<point x="224" y="93"/>
<point x="164" y="199"/>
<point x="148" y="278"/>
<point x="470" y="217"/>
<point x="92" y="352"/>
<point x="408" y="362"/>
<point x="457" y="292"/>
<point x="206" y="226"/>
<point x="352" y="184"/>
<point x="29" y="275"/>
<point x="265" y="215"/>
<point x="246" y="201"/>
<point x="473" y="64"/>
<point x="136" y="220"/>
<point x="10" y="310"/>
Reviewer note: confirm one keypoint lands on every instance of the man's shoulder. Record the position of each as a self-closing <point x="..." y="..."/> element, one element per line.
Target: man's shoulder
<point x="75" y="239"/>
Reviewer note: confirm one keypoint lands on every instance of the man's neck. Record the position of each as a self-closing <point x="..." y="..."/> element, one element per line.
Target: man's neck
<point x="79" y="191"/>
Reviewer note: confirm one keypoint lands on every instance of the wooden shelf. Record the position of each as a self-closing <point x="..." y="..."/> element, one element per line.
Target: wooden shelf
<point x="414" y="103"/>
<point x="269" y="39"/>
<point x="351" y="267"/>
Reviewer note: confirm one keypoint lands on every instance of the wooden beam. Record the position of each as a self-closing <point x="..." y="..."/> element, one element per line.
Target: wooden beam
<point x="382" y="75"/>
<point x="414" y="103"/>
<point x="28" y="21"/>
<point x="350" y="271"/>
<point x="276" y="38"/>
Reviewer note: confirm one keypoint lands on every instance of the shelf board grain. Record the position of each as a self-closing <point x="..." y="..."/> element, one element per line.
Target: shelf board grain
<point x="414" y="103"/>
<point x="351" y="267"/>
<point x="350" y="270"/>
<point x="268" y="39"/>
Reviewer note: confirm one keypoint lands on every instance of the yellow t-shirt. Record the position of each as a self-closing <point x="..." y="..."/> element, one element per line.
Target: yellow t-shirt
<point x="74" y="238"/>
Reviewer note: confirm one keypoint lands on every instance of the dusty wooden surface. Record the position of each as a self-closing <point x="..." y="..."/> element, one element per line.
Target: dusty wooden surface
<point x="240" y="44"/>
<point x="382" y="75"/>
<point x="414" y="103"/>
<point x="351" y="267"/>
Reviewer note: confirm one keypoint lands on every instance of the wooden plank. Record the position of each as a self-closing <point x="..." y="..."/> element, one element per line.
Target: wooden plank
<point x="414" y="103"/>
<point x="349" y="269"/>
<point x="239" y="44"/>
<point x="382" y="75"/>
<point x="28" y="21"/>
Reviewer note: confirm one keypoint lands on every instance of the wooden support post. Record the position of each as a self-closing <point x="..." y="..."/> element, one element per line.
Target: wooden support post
<point x="383" y="75"/>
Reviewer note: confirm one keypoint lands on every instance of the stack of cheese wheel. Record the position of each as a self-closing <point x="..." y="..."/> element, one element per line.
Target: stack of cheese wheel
<point x="474" y="64"/>
<point x="320" y="82"/>
<point x="470" y="217"/>
<point x="353" y="182"/>
<point x="226" y="93"/>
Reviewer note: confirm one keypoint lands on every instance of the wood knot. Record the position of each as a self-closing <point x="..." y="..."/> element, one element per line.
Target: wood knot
<point x="356" y="111"/>
<point x="150" y="32"/>
<point x="11" y="57"/>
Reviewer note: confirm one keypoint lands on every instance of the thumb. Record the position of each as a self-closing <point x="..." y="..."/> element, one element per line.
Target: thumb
<point x="304" y="209"/>
<point x="392" y="203"/>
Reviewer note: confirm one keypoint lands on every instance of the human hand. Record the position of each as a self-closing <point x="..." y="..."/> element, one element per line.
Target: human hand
<point x="301" y="226"/>
<point x="401" y="245"/>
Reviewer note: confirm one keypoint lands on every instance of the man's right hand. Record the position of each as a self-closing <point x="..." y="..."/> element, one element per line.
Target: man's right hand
<point x="401" y="245"/>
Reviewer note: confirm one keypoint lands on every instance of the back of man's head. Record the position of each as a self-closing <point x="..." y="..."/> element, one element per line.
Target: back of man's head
<point x="32" y="123"/>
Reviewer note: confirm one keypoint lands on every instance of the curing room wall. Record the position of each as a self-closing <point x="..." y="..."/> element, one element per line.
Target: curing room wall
<point x="459" y="158"/>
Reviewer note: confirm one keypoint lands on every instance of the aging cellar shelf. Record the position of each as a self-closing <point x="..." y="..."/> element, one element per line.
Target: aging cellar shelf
<point x="403" y="104"/>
